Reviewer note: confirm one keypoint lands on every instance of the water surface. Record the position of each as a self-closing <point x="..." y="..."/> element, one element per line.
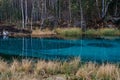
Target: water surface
<point x="52" y="48"/>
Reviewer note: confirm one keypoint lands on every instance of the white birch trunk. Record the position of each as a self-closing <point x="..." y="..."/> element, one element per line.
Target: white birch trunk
<point x="116" y="9"/>
<point x="81" y="13"/>
<point x="26" y="13"/>
<point x="70" y="12"/>
<point x="32" y="14"/>
<point x="59" y="10"/>
<point x="42" y="13"/>
<point x="22" y="9"/>
<point x="97" y="5"/>
<point x="103" y="8"/>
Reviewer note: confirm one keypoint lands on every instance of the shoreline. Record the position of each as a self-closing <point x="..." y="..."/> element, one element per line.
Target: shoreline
<point x="68" y="33"/>
<point x="21" y="35"/>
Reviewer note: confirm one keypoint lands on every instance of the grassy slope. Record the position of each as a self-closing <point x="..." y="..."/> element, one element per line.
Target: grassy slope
<point x="73" y="70"/>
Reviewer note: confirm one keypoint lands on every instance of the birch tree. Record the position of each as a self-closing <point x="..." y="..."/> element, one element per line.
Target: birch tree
<point x="22" y="10"/>
<point x="26" y="13"/>
<point x="83" y="23"/>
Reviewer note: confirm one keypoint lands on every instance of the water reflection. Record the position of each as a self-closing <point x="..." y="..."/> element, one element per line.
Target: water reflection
<point x="87" y="49"/>
<point x="5" y="37"/>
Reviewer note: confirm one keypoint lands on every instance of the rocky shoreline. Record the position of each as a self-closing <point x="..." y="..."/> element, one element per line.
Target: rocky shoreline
<point x="18" y="32"/>
<point x="60" y="32"/>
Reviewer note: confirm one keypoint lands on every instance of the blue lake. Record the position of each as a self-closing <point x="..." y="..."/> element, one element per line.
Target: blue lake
<point x="88" y="49"/>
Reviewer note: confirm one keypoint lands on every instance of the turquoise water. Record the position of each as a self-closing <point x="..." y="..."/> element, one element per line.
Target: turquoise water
<point x="52" y="48"/>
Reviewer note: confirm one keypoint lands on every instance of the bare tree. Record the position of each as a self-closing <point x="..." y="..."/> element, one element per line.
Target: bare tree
<point x="22" y="10"/>
<point x="116" y="8"/>
<point x="26" y="13"/>
<point x="83" y="23"/>
<point x="98" y="9"/>
<point x="70" y="12"/>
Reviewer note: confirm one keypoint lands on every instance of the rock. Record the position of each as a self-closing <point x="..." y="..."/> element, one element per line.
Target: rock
<point x="56" y="78"/>
<point x="60" y="78"/>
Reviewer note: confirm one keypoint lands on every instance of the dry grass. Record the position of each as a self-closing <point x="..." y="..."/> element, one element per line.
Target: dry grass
<point x="70" y="67"/>
<point x="91" y="32"/>
<point x="69" y="32"/>
<point x="40" y="67"/>
<point x="28" y="70"/>
<point x="103" y="32"/>
<point x="77" y="32"/>
<point x="15" y="66"/>
<point x="109" y="32"/>
<point x="53" y="67"/>
<point x="26" y="65"/>
<point x="87" y="71"/>
<point x="108" y="71"/>
<point x="39" y="32"/>
<point x="3" y="66"/>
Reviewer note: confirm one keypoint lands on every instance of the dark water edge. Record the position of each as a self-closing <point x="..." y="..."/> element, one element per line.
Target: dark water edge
<point x="43" y="57"/>
<point x="10" y="58"/>
<point x="63" y="37"/>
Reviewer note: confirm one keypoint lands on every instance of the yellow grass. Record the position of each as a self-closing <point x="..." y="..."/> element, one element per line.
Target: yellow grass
<point x="15" y="66"/>
<point x="40" y="67"/>
<point x="108" y="71"/>
<point x="26" y="65"/>
<point x="87" y="71"/>
<point x="3" y="66"/>
<point x="45" y="32"/>
<point x="41" y="70"/>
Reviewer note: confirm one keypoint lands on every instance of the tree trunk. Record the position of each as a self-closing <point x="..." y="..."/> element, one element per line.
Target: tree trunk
<point x="32" y="14"/>
<point x="97" y="5"/>
<point x="83" y="23"/>
<point x="26" y="14"/>
<point x="59" y="10"/>
<point x="22" y="9"/>
<point x="103" y="8"/>
<point x="116" y="9"/>
<point x="70" y="18"/>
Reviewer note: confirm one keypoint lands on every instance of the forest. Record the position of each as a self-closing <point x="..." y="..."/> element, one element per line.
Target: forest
<point x="60" y="13"/>
<point x="59" y="39"/>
